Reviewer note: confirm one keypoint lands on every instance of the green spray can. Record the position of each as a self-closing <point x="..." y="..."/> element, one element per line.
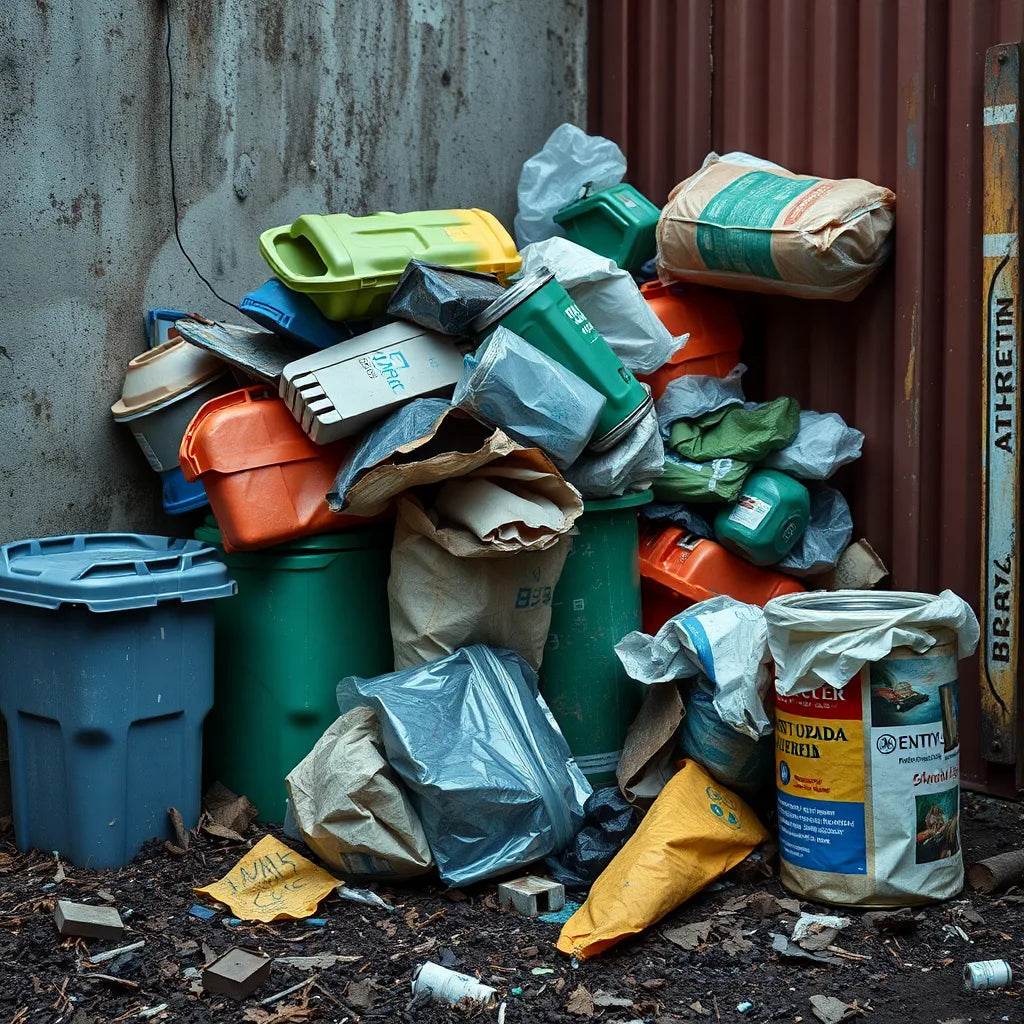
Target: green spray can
<point x="540" y="311"/>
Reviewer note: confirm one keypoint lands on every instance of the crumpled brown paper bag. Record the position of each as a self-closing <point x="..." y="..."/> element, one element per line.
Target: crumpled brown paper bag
<point x="350" y="806"/>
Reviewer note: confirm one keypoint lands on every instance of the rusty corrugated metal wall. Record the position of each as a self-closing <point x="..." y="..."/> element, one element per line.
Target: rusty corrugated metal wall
<point x="879" y="89"/>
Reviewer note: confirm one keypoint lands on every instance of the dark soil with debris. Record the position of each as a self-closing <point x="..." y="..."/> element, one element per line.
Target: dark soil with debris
<point x="914" y="976"/>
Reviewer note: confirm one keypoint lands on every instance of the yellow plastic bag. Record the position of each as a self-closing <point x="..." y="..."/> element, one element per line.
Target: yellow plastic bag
<point x="694" y="833"/>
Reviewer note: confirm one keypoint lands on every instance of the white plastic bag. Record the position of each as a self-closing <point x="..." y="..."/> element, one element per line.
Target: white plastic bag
<point x="812" y="647"/>
<point x="823" y="444"/>
<point x="538" y="402"/>
<point x="611" y="301"/>
<point x="722" y="638"/>
<point x="631" y="465"/>
<point x="554" y="177"/>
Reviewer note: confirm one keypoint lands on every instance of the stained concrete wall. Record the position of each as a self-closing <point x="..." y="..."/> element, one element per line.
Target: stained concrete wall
<point x="280" y="109"/>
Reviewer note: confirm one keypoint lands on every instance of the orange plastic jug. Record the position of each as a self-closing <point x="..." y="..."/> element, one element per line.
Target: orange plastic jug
<point x="686" y="569"/>
<point x="715" y="340"/>
<point x="266" y="480"/>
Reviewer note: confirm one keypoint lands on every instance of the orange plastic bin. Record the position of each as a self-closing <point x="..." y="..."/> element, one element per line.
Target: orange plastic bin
<point x="679" y="569"/>
<point x="716" y="337"/>
<point x="266" y="480"/>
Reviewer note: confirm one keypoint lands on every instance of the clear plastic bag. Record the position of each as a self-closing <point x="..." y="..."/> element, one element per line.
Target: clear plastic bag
<point x="696" y="394"/>
<point x="570" y="161"/>
<point x="826" y="537"/>
<point x="823" y="443"/>
<point x="535" y="400"/>
<point x="631" y="465"/>
<point x="443" y="299"/>
<point x="611" y="301"/>
<point x="489" y="773"/>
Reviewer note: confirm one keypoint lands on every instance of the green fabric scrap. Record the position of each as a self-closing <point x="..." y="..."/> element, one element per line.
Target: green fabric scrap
<point x="736" y="432"/>
<point x="682" y="480"/>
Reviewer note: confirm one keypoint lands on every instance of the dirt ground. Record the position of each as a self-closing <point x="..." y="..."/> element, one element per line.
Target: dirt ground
<point x="914" y="977"/>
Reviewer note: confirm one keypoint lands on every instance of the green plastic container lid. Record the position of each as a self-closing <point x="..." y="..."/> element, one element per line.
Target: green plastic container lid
<point x="613" y="504"/>
<point x="356" y="537"/>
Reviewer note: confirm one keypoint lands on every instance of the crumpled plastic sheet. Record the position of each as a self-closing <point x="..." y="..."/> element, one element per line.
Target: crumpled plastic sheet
<point x="680" y="515"/>
<point x="443" y="299"/>
<point x="404" y="425"/>
<point x="826" y="538"/>
<point x="611" y="301"/>
<point x="631" y="465"/>
<point x="825" y="646"/>
<point x="822" y="445"/>
<point x="534" y="399"/>
<point x="556" y="176"/>
<point x="696" y="394"/>
<point x="609" y="821"/>
<point x="488" y="770"/>
<point x="722" y="638"/>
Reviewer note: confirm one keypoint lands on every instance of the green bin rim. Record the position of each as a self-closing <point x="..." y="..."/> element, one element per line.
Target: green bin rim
<point x="322" y="543"/>
<point x="614" y="504"/>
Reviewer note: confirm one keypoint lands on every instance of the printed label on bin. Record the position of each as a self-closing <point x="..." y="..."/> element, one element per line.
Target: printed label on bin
<point x="749" y="512"/>
<point x="819" y="760"/>
<point x="915" y="759"/>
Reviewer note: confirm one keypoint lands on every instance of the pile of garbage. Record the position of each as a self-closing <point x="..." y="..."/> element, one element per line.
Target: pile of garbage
<point x="505" y="417"/>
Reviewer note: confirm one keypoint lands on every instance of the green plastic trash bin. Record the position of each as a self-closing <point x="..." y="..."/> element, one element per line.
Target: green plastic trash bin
<point x="596" y="603"/>
<point x="307" y="613"/>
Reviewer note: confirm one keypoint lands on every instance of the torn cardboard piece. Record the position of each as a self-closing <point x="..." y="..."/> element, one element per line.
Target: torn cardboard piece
<point x="648" y="753"/>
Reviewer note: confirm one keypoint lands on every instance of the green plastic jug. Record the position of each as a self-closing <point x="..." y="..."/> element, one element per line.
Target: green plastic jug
<point x="595" y="604"/>
<point x="306" y="614"/>
<point x="350" y="265"/>
<point x="540" y="311"/>
<point x="616" y="222"/>
<point x="768" y="518"/>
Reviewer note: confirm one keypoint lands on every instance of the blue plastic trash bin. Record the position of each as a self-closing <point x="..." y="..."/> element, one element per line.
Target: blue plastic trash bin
<point x="106" y="675"/>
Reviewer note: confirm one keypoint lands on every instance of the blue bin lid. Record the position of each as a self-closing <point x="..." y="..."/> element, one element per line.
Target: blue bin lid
<point x="110" y="572"/>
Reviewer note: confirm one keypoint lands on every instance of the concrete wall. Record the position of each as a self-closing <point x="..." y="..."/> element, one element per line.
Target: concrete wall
<point x="280" y="109"/>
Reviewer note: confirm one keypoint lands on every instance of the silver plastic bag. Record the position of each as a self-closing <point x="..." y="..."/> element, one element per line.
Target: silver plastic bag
<point x="823" y="444"/>
<point x="611" y="301"/>
<point x="570" y="160"/>
<point x="696" y="394"/>
<point x="534" y="399"/>
<point x="489" y="773"/>
<point x="631" y="465"/>
<point x="826" y="538"/>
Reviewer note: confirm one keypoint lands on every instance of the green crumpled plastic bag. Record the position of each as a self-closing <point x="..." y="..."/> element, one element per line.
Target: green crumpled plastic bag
<point x="718" y="480"/>
<point x="747" y="435"/>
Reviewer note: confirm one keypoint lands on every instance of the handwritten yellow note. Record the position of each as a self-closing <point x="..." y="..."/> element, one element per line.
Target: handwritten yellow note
<point x="270" y="882"/>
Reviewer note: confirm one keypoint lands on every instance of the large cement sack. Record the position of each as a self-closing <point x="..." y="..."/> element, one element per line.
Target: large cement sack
<point x="746" y="224"/>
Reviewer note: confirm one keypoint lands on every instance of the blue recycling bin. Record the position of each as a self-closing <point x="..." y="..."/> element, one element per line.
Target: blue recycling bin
<point x="106" y="675"/>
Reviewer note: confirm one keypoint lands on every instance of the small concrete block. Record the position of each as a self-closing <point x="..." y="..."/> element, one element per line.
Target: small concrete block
<point x="238" y="973"/>
<point x="532" y="896"/>
<point x="86" y="921"/>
